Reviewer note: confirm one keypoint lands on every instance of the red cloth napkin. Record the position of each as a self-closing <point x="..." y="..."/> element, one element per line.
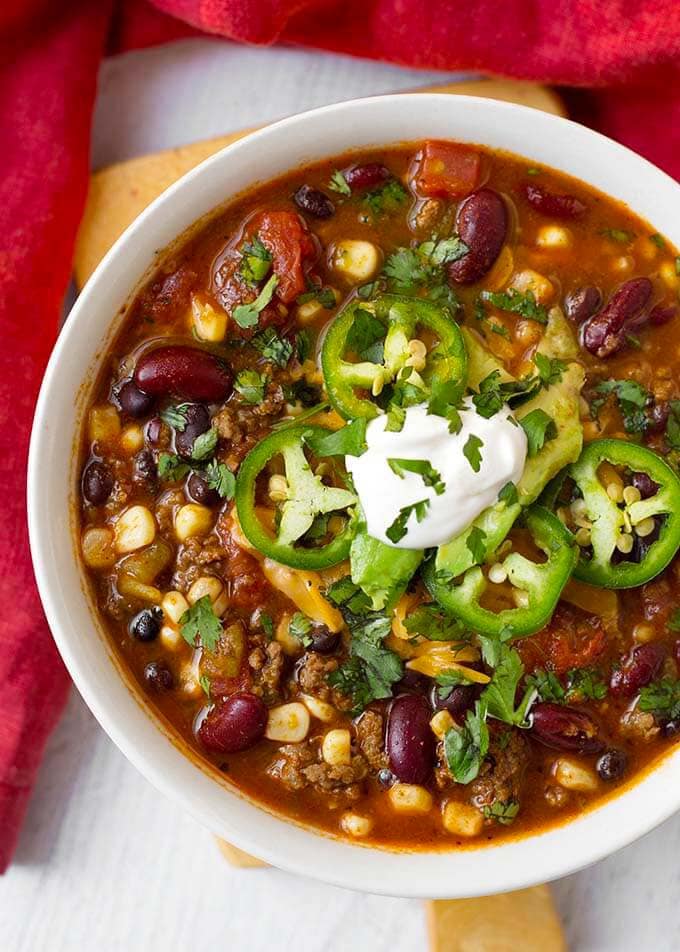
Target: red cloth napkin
<point x="49" y="53"/>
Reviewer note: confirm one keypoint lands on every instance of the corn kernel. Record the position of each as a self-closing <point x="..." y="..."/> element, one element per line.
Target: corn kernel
<point x="355" y="825"/>
<point x="209" y="322"/>
<point x="538" y="284"/>
<point x="288" y="723"/>
<point x="356" y="260"/>
<point x="318" y="709"/>
<point x="189" y="683"/>
<point x="103" y="424"/>
<point x="278" y="488"/>
<point x="643" y="633"/>
<point x="409" y="798"/>
<point x="134" y="528"/>
<point x="174" y="605"/>
<point x="572" y="776"/>
<point x="193" y="520"/>
<point x="212" y="587"/>
<point x="553" y="236"/>
<point x="336" y="747"/>
<point x="462" y="819"/>
<point x="669" y="275"/>
<point x="97" y="546"/>
<point x="170" y="638"/>
<point x="441" y="723"/>
<point x="132" y="439"/>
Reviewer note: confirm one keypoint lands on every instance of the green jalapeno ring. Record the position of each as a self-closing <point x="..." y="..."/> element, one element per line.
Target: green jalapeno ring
<point x="609" y="521"/>
<point x="309" y="497"/>
<point x="543" y="582"/>
<point x="401" y="316"/>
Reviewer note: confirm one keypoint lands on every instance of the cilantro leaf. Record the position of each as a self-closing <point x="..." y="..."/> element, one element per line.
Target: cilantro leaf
<point x="255" y="261"/>
<point x="386" y="198"/>
<point x="661" y="698"/>
<point x="550" y="369"/>
<point x="200" y="624"/>
<point x="204" y="681"/>
<point x="425" y="470"/>
<point x="443" y="251"/>
<point x="398" y="529"/>
<point x="338" y="183"/>
<point x="446" y="400"/>
<point x="251" y="385"/>
<point x="366" y="330"/>
<point x="499" y="695"/>
<point x="657" y="240"/>
<point x="204" y="444"/>
<point x="585" y="684"/>
<point x="247" y="315"/>
<point x="345" y="593"/>
<point x="508" y="494"/>
<point x="540" y="428"/>
<point x="371" y="669"/>
<point x="405" y="269"/>
<point x="325" y="297"/>
<point x="300" y="627"/>
<point x="267" y="623"/>
<point x="396" y="417"/>
<point x="465" y="748"/>
<point x="547" y="685"/>
<point x="349" y="440"/>
<point x="171" y="467"/>
<point x="632" y="399"/>
<point x="221" y="479"/>
<point x="476" y="543"/>
<point x="502" y="811"/>
<point x="431" y="622"/>
<point x="276" y="349"/>
<point x="517" y="302"/>
<point x="618" y="234"/>
<point x="471" y="452"/>
<point x="176" y="416"/>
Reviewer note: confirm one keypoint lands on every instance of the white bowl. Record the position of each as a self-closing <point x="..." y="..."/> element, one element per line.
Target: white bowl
<point x="52" y="482"/>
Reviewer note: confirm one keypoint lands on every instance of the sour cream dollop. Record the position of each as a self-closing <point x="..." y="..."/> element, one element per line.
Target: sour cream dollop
<point x="384" y="494"/>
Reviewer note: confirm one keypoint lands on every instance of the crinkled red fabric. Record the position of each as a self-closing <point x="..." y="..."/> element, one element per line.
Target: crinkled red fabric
<point x="622" y="57"/>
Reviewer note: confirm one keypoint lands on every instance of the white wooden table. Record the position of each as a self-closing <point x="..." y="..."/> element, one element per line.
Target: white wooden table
<point x="105" y="863"/>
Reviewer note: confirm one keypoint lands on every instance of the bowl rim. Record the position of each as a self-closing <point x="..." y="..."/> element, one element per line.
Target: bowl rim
<point x="508" y="865"/>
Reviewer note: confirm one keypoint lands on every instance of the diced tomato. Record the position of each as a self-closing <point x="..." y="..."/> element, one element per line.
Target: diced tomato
<point x="572" y="639"/>
<point x="447" y="170"/>
<point x="291" y="246"/>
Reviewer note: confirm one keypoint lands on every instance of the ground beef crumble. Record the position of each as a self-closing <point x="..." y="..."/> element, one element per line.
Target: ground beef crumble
<point x="501" y="776"/>
<point x="370" y="730"/>
<point x="266" y="662"/>
<point x="298" y="766"/>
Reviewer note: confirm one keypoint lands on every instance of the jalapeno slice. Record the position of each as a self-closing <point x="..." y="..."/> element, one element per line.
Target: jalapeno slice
<point x="304" y="497"/>
<point x="541" y="582"/>
<point x="389" y="354"/>
<point x="632" y="538"/>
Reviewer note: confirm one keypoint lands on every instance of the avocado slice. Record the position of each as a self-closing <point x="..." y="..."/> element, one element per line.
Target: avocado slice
<point x="380" y="570"/>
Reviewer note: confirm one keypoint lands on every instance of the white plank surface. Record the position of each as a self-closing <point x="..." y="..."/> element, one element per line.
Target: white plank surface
<point x="104" y="862"/>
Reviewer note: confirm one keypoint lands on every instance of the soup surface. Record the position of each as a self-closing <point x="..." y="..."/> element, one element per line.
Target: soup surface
<point x="379" y="498"/>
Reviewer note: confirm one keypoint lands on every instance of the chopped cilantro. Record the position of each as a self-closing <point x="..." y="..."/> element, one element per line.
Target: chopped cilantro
<point x="349" y="440"/>
<point x="338" y="183"/>
<point x="303" y="345"/>
<point x="247" y="315"/>
<point x="632" y="399"/>
<point x="585" y="684"/>
<point x="422" y="468"/>
<point x="502" y="811"/>
<point x="550" y="369"/>
<point x="277" y="349"/>
<point x="176" y="416"/>
<point x="540" y="428"/>
<point x="618" y="234"/>
<point x="367" y="291"/>
<point x="661" y="698"/>
<point x="499" y="695"/>
<point x="171" y="467"/>
<point x="345" y="593"/>
<point x="267" y="623"/>
<point x="371" y="669"/>
<point x="386" y="198"/>
<point x="471" y="452"/>
<point x="299" y="627"/>
<point x="325" y="297"/>
<point x="200" y="624"/>
<point x="255" y="261"/>
<point x="398" y="529"/>
<point x="204" y="444"/>
<point x="476" y="543"/>
<point x="672" y="434"/>
<point x="508" y="494"/>
<point x="251" y="385"/>
<point x="465" y="748"/>
<point x="443" y="251"/>
<point x="221" y="479"/>
<point x="204" y="681"/>
<point x="432" y="622"/>
<point x="446" y="400"/>
<point x="547" y="685"/>
<point x="517" y="302"/>
<point x="657" y="240"/>
<point x="365" y="332"/>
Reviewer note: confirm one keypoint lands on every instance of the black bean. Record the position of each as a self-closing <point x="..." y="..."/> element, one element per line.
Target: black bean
<point x="611" y="765"/>
<point x="146" y="624"/>
<point x="198" y="489"/>
<point x="197" y="422"/>
<point x="324" y="641"/>
<point x="657" y="417"/>
<point x="158" y="676"/>
<point x="145" y="471"/>
<point x="644" y="484"/>
<point x="412" y="682"/>
<point x="314" y="202"/>
<point x="385" y="778"/>
<point x="154" y="431"/>
<point x="97" y="482"/>
<point x="670" y="728"/>
<point x="134" y="401"/>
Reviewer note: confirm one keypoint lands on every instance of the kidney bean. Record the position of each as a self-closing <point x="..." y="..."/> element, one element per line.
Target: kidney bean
<point x="582" y="303"/>
<point x="234" y="724"/>
<point x="186" y="372"/>
<point x="158" y="676"/>
<point x="564" y="728"/>
<point x="482" y="223"/>
<point x="134" y="401"/>
<point x="662" y="315"/>
<point x="97" y="483"/>
<point x="611" y="765"/>
<point x="639" y="668"/>
<point x="314" y="202"/>
<point x="324" y="641"/>
<point x="605" y="333"/>
<point x="460" y="700"/>
<point x="552" y="204"/>
<point x="367" y="176"/>
<point x="197" y="422"/>
<point x="410" y="741"/>
<point x="199" y="490"/>
<point x="644" y="484"/>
